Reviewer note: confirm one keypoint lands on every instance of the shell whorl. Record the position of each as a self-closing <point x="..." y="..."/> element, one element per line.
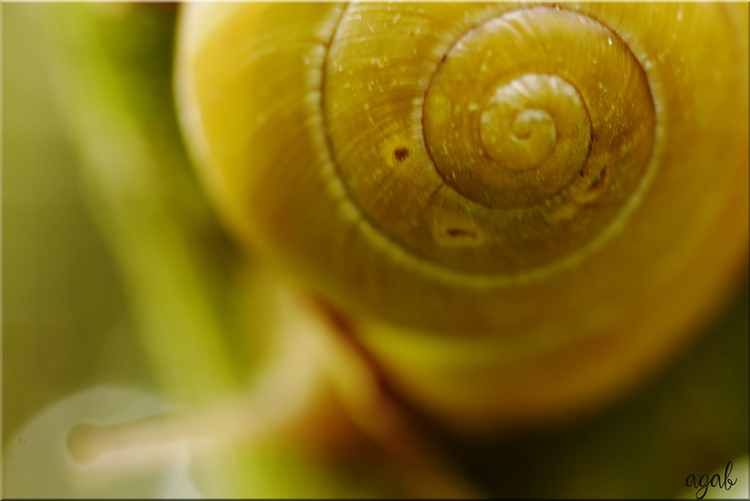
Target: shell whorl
<point x="495" y="154"/>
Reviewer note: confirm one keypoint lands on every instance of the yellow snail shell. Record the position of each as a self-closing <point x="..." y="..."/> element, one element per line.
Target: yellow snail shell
<point x="521" y="208"/>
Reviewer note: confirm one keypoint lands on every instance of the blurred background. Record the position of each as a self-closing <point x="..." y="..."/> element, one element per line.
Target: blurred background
<point x="66" y="325"/>
<point x="69" y="326"/>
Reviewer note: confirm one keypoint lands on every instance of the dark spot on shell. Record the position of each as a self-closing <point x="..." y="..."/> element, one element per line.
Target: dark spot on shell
<point x="401" y="154"/>
<point x="442" y="59"/>
<point x="459" y="233"/>
<point x="598" y="181"/>
<point x="581" y="173"/>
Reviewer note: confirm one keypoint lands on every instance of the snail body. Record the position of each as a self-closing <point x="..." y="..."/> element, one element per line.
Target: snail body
<point x="512" y="232"/>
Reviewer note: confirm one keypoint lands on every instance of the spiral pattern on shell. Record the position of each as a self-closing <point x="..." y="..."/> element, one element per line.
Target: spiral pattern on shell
<point x="515" y="158"/>
<point x="443" y="167"/>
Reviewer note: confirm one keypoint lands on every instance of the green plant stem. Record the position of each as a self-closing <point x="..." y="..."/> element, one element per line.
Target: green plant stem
<point x="113" y="73"/>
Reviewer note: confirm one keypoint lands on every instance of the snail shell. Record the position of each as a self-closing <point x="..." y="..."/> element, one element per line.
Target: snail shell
<point x="509" y="200"/>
